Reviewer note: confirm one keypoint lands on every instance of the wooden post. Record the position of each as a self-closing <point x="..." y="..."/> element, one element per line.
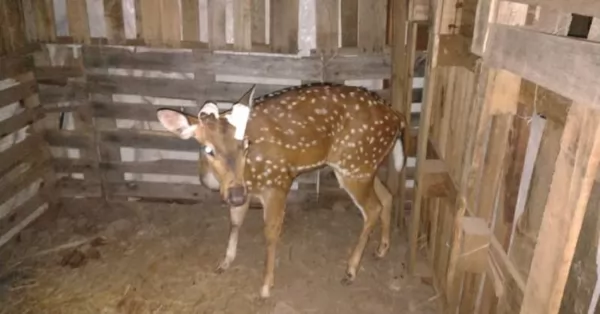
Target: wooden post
<point x="576" y="168"/>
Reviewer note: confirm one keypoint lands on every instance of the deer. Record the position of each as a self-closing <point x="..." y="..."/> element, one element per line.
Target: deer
<point x="259" y="146"/>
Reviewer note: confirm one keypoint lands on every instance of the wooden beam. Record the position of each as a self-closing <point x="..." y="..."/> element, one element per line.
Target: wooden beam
<point x="583" y="7"/>
<point x="455" y="51"/>
<point x="436" y="181"/>
<point x="576" y="169"/>
<point x="242" y="25"/>
<point x="564" y="65"/>
<point x="475" y="244"/>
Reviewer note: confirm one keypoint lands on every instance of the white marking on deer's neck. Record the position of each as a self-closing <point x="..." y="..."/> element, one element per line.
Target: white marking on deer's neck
<point x="210" y="180"/>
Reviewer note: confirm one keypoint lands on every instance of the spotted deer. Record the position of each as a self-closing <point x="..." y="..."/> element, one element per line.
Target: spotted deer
<point x="259" y="146"/>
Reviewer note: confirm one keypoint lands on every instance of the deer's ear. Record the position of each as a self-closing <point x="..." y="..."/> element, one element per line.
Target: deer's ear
<point x="248" y="97"/>
<point x="176" y="122"/>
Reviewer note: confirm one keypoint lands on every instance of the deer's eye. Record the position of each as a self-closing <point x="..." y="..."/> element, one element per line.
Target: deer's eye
<point x="209" y="150"/>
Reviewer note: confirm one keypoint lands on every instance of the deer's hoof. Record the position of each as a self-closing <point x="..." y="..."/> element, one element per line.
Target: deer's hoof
<point x="223" y="266"/>
<point x="265" y="292"/>
<point x="348" y="279"/>
<point x="381" y="251"/>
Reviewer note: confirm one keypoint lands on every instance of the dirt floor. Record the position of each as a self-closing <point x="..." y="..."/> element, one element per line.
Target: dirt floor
<point x="159" y="258"/>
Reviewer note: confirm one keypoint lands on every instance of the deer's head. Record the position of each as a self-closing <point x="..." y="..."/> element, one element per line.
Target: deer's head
<point x="222" y="137"/>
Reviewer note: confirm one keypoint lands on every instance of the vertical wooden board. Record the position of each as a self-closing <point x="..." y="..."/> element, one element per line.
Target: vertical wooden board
<point x="115" y="24"/>
<point x="528" y="224"/>
<point x="44" y="20"/>
<point x="79" y="27"/>
<point x="583" y="274"/>
<point x="14" y="27"/>
<point x="171" y="23"/>
<point x="242" y="24"/>
<point x="29" y="18"/>
<point x="284" y="25"/>
<point x="216" y="24"/>
<point x="467" y="22"/>
<point x="552" y="21"/>
<point x="480" y="30"/>
<point x="327" y="25"/>
<point x="190" y="10"/>
<point x="151" y="21"/>
<point x="371" y="25"/>
<point x="576" y="168"/>
<point x="259" y="24"/>
<point x="350" y="22"/>
<point x="139" y="26"/>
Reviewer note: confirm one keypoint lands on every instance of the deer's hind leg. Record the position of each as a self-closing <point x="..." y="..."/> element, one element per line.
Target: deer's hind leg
<point x="385" y="197"/>
<point x="363" y="193"/>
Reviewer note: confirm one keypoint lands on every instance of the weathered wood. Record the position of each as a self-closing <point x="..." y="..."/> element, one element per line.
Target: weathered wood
<point x="583" y="7"/>
<point x="73" y="139"/>
<point x="583" y="275"/>
<point x="349" y="23"/>
<point x="72" y="92"/>
<point x="476" y="238"/>
<point x="150" y="21"/>
<point x="483" y="17"/>
<point x="102" y="57"/>
<point x="552" y="21"/>
<point x="12" y="30"/>
<point x="190" y="12"/>
<point x="21" y="177"/>
<point x="576" y="168"/>
<point x="594" y="33"/>
<point x="58" y="75"/>
<point x="564" y="65"/>
<point x="17" y="152"/>
<point x="146" y="139"/>
<point x="455" y="51"/>
<point x="545" y="102"/>
<point x="15" y="123"/>
<point x="258" y="21"/>
<point x="327" y="12"/>
<point x="115" y="24"/>
<point x="371" y="25"/>
<point x="17" y="92"/>
<point x="13" y="66"/>
<point x="39" y="210"/>
<point x="44" y="20"/>
<point x="436" y="182"/>
<point x="242" y="24"/>
<point x="216" y="24"/>
<point x="372" y="66"/>
<point x="171" y="23"/>
<point x="284" y="25"/>
<point x="70" y="188"/>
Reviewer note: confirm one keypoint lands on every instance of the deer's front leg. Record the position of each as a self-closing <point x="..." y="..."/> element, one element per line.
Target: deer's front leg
<point x="236" y="219"/>
<point x="274" y="211"/>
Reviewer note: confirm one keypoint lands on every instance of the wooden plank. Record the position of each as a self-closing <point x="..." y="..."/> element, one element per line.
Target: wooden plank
<point x="242" y="24"/>
<point x="455" y="51"/>
<point x="29" y="16"/>
<point x="73" y="139"/>
<point x="576" y="169"/>
<point x="79" y="28"/>
<point x="13" y="66"/>
<point x="216" y="24"/>
<point x="552" y="21"/>
<point x="70" y="188"/>
<point x="545" y="102"/>
<point x="259" y="25"/>
<point x="583" y="7"/>
<point x="151" y="21"/>
<point x="57" y="74"/>
<point x="12" y="26"/>
<point x="44" y="20"/>
<point x="284" y="25"/>
<point x="73" y="91"/>
<point x="171" y="23"/>
<point x="594" y="33"/>
<point x="17" y="92"/>
<point x="371" y="25"/>
<point x="23" y="224"/>
<point x="375" y="66"/>
<point x="583" y="276"/>
<point x="483" y="17"/>
<point x="528" y="54"/>
<point x="16" y="122"/>
<point x="350" y="23"/>
<point x="115" y="24"/>
<point x="327" y="12"/>
<point x="17" y="152"/>
<point x="147" y="139"/>
<point x="12" y="183"/>
<point x="13" y="216"/>
<point x="102" y="57"/>
<point x="190" y="11"/>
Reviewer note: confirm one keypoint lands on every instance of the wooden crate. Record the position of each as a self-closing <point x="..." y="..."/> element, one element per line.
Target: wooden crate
<point x="513" y="117"/>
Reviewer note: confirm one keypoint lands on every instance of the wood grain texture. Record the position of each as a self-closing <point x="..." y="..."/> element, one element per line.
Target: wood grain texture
<point x="327" y="12"/>
<point x="350" y="23"/>
<point x="190" y="11"/>
<point x="575" y="172"/>
<point x="115" y="24"/>
<point x="284" y="26"/>
<point x="242" y="24"/>
<point x="151" y="21"/>
<point x="17" y="92"/>
<point x="13" y="66"/>
<point x="216" y="24"/>
<point x="259" y="24"/>
<point x="79" y="28"/>
<point x="171" y="23"/>
<point x="564" y="65"/>
<point x="371" y="25"/>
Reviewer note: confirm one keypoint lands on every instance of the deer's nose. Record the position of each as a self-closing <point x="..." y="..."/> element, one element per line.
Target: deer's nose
<point x="237" y="195"/>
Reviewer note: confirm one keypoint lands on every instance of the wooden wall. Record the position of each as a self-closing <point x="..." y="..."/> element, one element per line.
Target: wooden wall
<point x="102" y="72"/>
<point x="26" y="176"/>
<point x="507" y="204"/>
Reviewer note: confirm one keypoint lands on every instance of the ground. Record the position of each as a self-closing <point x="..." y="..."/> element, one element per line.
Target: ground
<point x="142" y="257"/>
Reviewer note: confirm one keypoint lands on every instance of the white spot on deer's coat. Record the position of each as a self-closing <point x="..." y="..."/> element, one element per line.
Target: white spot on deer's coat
<point x="321" y="111"/>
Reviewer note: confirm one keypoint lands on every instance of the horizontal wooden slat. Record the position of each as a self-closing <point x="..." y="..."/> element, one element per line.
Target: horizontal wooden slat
<point x="13" y="66"/>
<point x="32" y="210"/>
<point x="104" y="57"/>
<point x="19" y="121"/>
<point x="18" y="152"/>
<point x="582" y="7"/>
<point x="73" y="139"/>
<point x="362" y="67"/>
<point x="56" y="74"/>
<point x="22" y="180"/>
<point x="567" y="66"/>
<point x="147" y="139"/>
<point x="73" y="91"/>
<point x="17" y="92"/>
<point x="69" y="188"/>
